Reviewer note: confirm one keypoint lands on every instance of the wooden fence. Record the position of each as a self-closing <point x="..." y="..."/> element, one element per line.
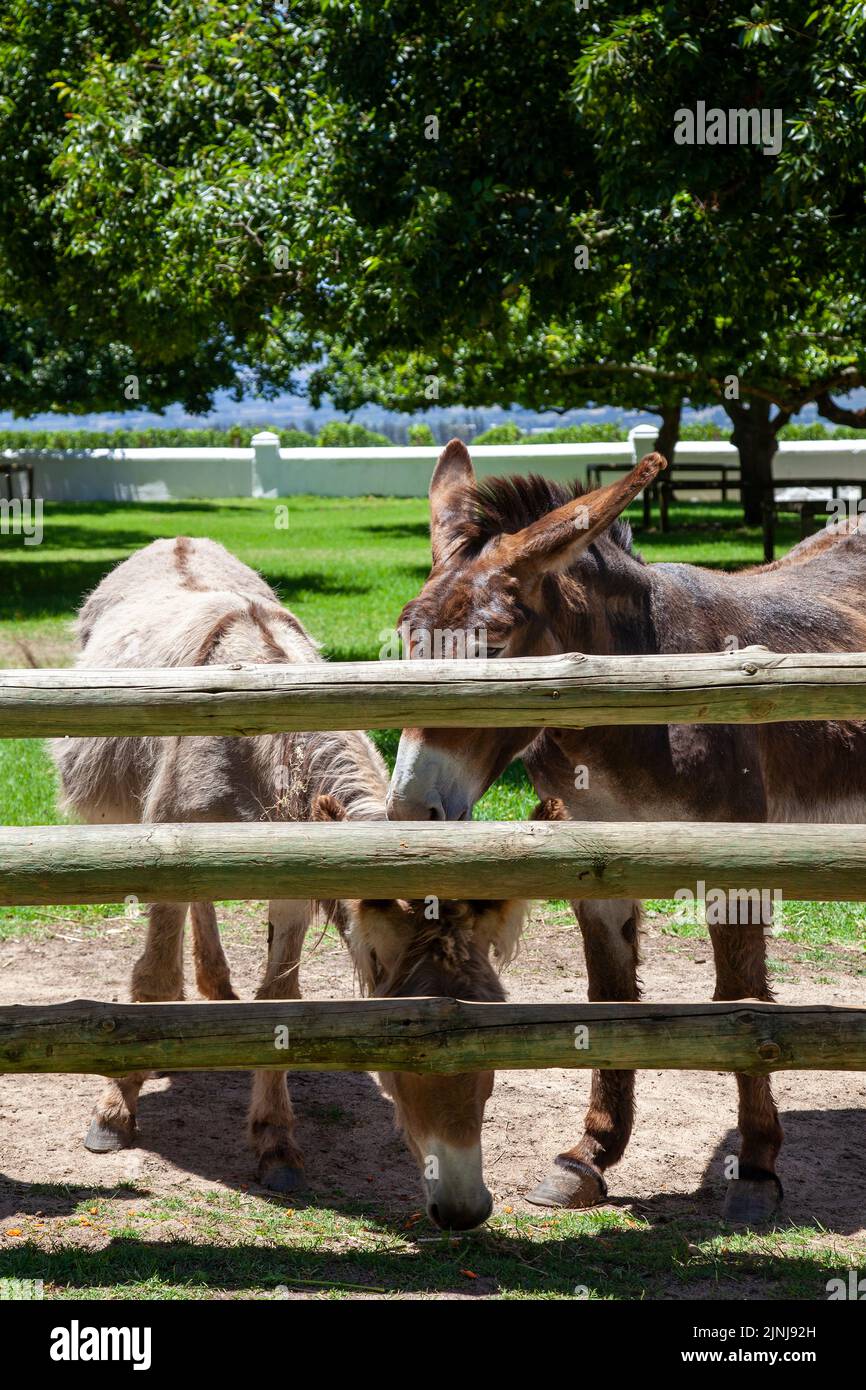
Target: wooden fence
<point x="752" y="686"/>
<point x="441" y="1035"/>
<point x="85" y="864"/>
<point x="505" y="859"/>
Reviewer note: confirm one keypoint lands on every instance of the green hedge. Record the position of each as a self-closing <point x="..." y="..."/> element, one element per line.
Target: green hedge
<point x="819" y="431"/>
<point x="510" y="433"/>
<point x="335" y="435"/>
<point x="581" y="434"/>
<point x="343" y="434"/>
<point x="236" y="437"/>
<point x="340" y="434"/>
<point x="420" y="434"/>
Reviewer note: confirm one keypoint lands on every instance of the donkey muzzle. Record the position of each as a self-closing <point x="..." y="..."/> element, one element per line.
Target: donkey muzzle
<point x="457" y="1199"/>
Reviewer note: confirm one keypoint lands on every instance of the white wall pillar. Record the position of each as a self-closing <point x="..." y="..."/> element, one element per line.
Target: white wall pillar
<point x="266" y="464"/>
<point x="642" y="439"/>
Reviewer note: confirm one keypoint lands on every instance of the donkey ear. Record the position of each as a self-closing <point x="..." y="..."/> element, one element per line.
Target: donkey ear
<point x="499" y="925"/>
<point x="555" y="541"/>
<point x="550" y="809"/>
<point x="447" y="508"/>
<point x="379" y="926"/>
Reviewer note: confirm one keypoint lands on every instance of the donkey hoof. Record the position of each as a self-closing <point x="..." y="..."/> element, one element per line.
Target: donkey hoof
<point x="753" y="1201"/>
<point x="570" y="1184"/>
<point x="217" y="992"/>
<point x="279" y="1176"/>
<point x="103" y="1138"/>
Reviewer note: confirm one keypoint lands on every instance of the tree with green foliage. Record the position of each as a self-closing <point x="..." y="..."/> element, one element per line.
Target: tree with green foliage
<point x="447" y="204"/>
<point x="116" y="288"/>
<point x="218" y="174"/>
<point x="43" y="368"/>
<point x="714" y="273"/>
<point x="760" y="257"/>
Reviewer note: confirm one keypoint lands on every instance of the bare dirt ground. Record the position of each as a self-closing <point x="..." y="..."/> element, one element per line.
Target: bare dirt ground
<point x="192" y="1125"/>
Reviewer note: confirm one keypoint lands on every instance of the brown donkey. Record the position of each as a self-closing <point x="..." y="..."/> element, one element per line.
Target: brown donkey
<point x="190" y="603"/>
<point x="432" y="947"/>
<point x="542" y="569"/>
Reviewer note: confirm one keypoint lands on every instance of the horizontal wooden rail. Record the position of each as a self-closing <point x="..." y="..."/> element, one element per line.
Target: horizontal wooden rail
<point x="573" y="691"/>
<point x="422" y="1035"/>
<point x="570" y="859"/>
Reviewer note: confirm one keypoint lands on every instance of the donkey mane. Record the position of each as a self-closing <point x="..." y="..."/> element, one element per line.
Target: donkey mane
<point x="449" y="938"/>
<point x="448" y="943"/>
<point x="331" y="767"/>
<point x="495" y="506"/>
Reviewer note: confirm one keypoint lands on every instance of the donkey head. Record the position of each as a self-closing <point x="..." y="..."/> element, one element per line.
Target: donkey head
<point x="497" y="573"/>
<point x="447" y="949"/>
<point x="432" y="947"/>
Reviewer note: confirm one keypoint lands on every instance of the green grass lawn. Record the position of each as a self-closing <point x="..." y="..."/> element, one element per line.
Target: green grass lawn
<point x="345" y="566"/>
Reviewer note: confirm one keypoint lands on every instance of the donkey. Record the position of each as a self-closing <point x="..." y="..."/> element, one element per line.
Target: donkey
<point x="429" y="947"/>
<point x="189" y="603"/>
<point x="545" y="569"/>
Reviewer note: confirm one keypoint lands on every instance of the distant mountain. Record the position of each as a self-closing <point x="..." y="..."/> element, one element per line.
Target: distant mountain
<point x="287" y="411"/>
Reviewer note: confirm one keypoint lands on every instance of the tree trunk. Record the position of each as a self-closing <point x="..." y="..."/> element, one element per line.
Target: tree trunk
<point x="669" y="432"/>
<point x="754" y="436"/>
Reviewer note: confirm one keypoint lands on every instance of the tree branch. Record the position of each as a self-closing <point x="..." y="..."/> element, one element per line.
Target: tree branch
<point x="847" y="377"/>
<point x="839" y="414"/>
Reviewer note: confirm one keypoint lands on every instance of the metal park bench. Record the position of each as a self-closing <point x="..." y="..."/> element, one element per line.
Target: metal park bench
<point x="708" y="477"/>
<point x="806" y="501"/>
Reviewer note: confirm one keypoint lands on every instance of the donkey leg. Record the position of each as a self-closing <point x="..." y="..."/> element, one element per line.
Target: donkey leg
<point x="271" y="1119"/>
<point x="157" y="975"/>
<point x="211" y="967"/>
<point x="113" y="1125"/>
<point x="610" y="943"/>
<point x="741" y="973"/>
